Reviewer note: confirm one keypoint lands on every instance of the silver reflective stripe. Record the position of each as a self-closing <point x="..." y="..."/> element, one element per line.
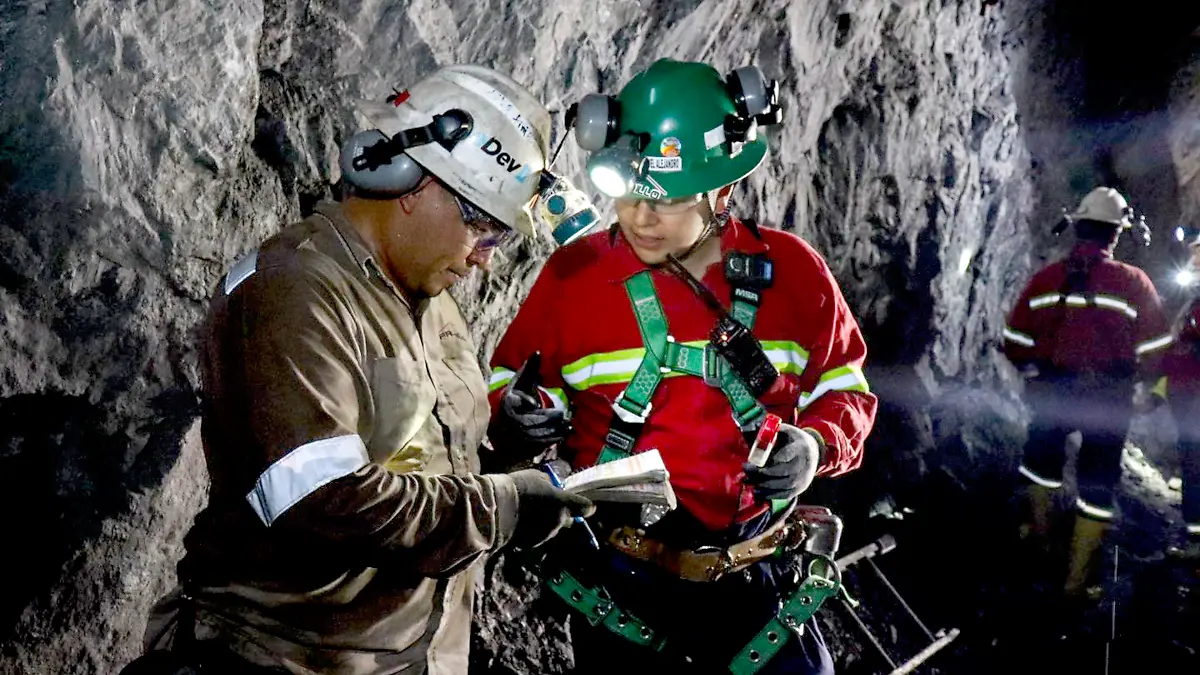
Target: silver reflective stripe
<point x="1193" y="528"/>
<point x="1156" y="343"/>
<point x="1076" y="301"/>
<point x="1044" y="300"/>
<point x="1017" y="337"/>
<point x="1117" y="304"/>
<point x="241" y="271"/>
<point x="1092" y="510"/>
<point x="300" y="472"/>
<point x="1044" y="482"/>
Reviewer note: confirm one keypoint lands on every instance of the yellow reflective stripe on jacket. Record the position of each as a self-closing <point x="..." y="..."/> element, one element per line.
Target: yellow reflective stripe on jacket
<point x="558" y="397"/>
<point x="618" y="367"/>
<point x="846" y="378"/>
<point x="500" y="377"/>
<point x="1017" y="337"/>
<point x="1157" y="343"/>
<point x="1075" y="300"/>
<point x="788" y="356"/>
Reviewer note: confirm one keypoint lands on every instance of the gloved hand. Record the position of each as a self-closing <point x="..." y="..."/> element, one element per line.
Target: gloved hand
<point x="542" y="509"/>
<point x="791" y="466"/>
<point x="523" y="428"/>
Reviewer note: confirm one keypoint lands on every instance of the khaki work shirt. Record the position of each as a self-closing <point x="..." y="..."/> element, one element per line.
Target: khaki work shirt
<point x="347" y="520"/>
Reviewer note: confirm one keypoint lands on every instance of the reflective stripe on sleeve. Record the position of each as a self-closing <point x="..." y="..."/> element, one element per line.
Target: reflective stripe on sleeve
<point x="302" y="471"/>
<point x="1044" y="482"/>
<point x="1153" y="345"/>
<point x="500" y="377"/>
<point x="1093" y="511"/>
<point x="558" y="398"/>
<point x="846" y="378"/>
<point x="1017" y="337"/>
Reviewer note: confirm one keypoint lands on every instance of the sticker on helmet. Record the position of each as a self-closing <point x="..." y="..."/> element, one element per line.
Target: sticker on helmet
<point x="651" y="191"/>
<point x="664" y="164"/>
<point x="714" y="137"/>
<point x="497" y="99"/>
<point x="670" y="147"/>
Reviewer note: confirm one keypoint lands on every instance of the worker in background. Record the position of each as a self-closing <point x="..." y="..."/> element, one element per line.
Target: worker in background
<point x="344" y="406"/>
<point x="1085" y="332"/>
<point x="678" y="329"/>
<point x="1180" y="386"/>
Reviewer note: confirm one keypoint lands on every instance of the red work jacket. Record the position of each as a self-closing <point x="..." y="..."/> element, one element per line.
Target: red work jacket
<point x="1115" y="323"/>
<point x="579" y="315"/>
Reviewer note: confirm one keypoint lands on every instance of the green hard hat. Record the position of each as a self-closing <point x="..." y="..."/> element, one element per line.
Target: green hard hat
<point x="682" y="106"/>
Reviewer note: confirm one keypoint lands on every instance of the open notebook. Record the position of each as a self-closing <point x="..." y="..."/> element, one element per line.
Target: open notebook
<point x="640" y="478"/>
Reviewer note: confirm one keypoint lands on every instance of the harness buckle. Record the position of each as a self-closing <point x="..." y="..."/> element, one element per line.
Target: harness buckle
<point x="628" y="416"/>
<point x="712" y="367"/>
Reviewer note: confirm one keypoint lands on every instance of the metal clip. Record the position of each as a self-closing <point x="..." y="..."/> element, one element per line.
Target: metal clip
<point x="627" y="416"/>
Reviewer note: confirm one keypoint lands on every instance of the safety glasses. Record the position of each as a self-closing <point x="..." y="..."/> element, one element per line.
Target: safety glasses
<point x="663" y="206"/>
<point x="489" y="232"/>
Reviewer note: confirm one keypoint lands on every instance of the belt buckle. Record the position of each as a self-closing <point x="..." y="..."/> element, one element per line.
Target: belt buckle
<point x="725" y="561"/>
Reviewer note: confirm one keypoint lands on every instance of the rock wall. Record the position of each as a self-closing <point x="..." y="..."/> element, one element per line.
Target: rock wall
<point x="143" y="146"/>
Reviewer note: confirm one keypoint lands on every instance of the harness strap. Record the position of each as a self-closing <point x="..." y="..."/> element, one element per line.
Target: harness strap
<point x="598" y="608"/>
<point x="788" y="621"/>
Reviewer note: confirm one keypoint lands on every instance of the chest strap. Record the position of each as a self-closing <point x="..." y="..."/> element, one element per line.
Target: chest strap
<point x="663" y="356"/>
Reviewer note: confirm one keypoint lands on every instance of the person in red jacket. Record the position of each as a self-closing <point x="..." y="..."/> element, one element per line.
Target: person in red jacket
<point x="1085" y="331"/>
<point x="1181" y="388"/>
<point x="643" y="342"/>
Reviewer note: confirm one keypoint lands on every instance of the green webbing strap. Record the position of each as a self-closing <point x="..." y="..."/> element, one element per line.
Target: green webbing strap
<point x="598" y="608"/>
<point x="635" y="400"/>
<point x="664" y="355"/>
<point x="799" y="608"/>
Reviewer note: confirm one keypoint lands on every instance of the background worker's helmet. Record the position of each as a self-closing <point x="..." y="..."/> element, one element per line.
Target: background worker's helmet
<point x="1104" y="205"/>
<point x="476" y="130"/>
<point x="677" y="129"/>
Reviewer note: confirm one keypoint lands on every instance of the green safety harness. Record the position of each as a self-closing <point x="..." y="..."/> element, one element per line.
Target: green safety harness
<point x="663" y="356"/>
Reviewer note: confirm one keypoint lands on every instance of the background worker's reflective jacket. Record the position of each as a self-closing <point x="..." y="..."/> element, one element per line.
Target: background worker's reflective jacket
<point x="1115" y="324"/>
<point x="579" y="316"/>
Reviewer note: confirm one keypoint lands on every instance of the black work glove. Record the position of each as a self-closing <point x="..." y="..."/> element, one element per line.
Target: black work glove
<point x="542" y="509"/>
<point x="790" y="468"/>
<point x="523" y="428"/>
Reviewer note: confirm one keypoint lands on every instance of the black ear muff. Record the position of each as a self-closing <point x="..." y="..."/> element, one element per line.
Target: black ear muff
<point x="376" y="164"/>
<point x="369" y="164"/>
<point x="597" y="119"/>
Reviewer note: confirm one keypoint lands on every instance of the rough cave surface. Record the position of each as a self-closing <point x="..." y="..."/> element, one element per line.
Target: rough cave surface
<point x="929" y="146"/>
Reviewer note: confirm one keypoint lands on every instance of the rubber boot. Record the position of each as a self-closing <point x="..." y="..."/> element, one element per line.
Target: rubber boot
<point x="1081" y="561"/>
<point x="1039" y="501"/>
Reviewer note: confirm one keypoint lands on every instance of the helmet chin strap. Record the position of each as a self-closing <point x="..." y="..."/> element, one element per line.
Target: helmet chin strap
<point x="714" y="224"/>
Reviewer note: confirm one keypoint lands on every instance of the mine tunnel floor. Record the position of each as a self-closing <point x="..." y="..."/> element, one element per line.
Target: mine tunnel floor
<point x="960" y="564"/>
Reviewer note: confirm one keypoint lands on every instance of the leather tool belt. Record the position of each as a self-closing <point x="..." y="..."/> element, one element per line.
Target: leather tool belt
<point x="709" y="563"/>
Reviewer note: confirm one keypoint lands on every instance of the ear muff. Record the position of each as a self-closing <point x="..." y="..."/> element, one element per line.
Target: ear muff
<point x="754" y="97"/>
<point x="597" y="118"/>
<point x="397" y="176"/>
<point x="376" y="164"/>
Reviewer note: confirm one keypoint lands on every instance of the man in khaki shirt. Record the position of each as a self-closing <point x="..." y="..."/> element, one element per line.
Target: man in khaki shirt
<point x="344" y="406"/>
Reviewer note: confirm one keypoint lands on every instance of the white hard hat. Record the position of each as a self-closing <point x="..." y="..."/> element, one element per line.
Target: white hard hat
<point x="499" y="166"/>
<point x="1104" y="205"/>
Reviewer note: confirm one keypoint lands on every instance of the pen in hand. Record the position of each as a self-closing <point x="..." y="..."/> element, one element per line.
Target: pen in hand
<point x="554" y="480"/>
